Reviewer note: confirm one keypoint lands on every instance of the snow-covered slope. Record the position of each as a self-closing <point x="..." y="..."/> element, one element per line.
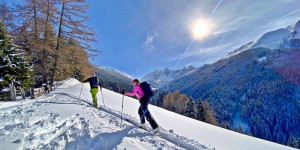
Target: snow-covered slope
<point x="115" y="72"/>
<point x="275" y="39"/>
<point x="158" y="79"/>
<point x="59" y="121"/>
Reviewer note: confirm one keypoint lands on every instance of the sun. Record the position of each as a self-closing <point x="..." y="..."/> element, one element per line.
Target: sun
<point x="200" y="29"/>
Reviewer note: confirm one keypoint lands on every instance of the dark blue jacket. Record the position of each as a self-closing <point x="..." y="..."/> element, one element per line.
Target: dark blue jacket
<point x="94" y="82"/>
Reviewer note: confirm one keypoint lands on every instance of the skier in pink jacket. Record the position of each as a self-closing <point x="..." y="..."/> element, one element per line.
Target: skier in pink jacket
<point x="143" y="109"/>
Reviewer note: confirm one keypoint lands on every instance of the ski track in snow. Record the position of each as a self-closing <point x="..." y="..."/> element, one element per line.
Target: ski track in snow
<point x="59" y="122"/>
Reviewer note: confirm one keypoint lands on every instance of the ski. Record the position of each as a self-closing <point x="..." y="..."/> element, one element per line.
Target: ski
<point x="144" y="128"/>
<point x="91" y="105"/>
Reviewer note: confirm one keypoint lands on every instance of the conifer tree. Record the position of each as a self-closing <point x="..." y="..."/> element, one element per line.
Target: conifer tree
<point x="239" y="129"/>
<point x="292" y="142"/>
<point x="160" y="100"/>
<point x="14" y="64"/>
<point x="190" y="108"/>
<point x="200" y="110"/>
<point x="225" y="124"/>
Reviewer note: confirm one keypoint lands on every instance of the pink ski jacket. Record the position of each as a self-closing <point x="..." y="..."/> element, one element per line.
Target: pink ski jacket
<point x="137" y="91"/>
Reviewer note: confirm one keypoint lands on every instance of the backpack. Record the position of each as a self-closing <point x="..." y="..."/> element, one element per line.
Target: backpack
<point x="146" y="87"/>
<point x="94" y="82"/>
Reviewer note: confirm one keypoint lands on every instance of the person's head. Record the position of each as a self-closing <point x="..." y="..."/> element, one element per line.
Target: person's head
<point x="135" y="82"/>
<point x="93" y="75"/>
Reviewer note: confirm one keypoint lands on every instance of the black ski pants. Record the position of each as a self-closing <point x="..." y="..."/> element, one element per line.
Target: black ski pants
<point x="145" y="113"/>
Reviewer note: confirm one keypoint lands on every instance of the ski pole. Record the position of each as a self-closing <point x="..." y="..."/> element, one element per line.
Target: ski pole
<point x="122" y="106"/>
<point x="80" y="93"/>
<point x="102" y="96"/>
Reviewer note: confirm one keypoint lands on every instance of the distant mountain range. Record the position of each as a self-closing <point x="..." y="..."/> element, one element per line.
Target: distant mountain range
<point x="158" y="79"/>
<point x="260" y="81"/>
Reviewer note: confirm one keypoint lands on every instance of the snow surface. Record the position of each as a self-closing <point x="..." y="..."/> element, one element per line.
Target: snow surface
<point x="59" y="121"/>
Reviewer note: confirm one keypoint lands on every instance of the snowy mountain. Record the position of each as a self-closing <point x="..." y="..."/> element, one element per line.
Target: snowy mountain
<point x="60" y="121"/>
<point x="158" y="79"/>
<point x="114" y="79"/>
<point x="254" y="82"/>
<point x="288" y="37"/>
<point x="115" y="72"/>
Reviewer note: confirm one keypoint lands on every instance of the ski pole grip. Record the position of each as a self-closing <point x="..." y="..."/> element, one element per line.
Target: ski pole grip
<point x="123" y="92"/>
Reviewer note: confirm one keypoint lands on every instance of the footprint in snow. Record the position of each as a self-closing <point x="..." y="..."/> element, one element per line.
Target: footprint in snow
<point x="17" y="141"/>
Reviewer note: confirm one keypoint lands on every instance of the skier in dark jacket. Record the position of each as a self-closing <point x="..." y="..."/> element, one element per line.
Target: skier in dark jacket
<point x="143" y="109"/>
<point x="94" y="82"/>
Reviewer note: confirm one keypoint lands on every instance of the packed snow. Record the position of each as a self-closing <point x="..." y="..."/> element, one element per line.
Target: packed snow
<point x="59" y="121"/>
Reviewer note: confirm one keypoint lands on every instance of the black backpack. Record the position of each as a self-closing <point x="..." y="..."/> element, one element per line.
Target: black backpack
<point x="146" y="87"/>
<point x="94" y="82"/>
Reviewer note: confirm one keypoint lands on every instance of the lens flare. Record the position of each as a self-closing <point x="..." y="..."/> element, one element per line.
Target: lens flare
<point x="200" y="29"/>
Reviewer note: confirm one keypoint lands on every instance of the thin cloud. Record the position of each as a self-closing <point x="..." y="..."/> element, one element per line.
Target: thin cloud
<point x="148" y="44"/>
<point x="283" y="17"/>
<point x="199" y="51"/>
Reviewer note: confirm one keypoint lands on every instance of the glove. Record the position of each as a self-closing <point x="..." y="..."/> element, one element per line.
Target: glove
<point x="123" y="92"/>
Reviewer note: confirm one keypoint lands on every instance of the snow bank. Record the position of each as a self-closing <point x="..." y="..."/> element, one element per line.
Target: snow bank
<point x="69" y="83"/>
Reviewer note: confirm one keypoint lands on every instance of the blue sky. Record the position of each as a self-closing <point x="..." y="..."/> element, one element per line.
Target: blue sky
<point x="140" y="36"/>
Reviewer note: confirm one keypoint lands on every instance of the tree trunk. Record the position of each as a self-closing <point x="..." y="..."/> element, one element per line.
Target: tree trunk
<point x="45" y="43"/>
<point x="35" y="19"/>
<point x="58" y="43"/>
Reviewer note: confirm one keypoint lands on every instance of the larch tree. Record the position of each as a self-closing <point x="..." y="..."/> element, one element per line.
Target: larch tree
<point x="48" y="12"/>
<point x="7" y="16"/>
<point x="175" y="101"/>
<point x="168" y="101"/>
<point x="29" y="33"/>
<point x="71" y="25"/>
<point x="182" y="103"/>
<point x="209" y="114"/>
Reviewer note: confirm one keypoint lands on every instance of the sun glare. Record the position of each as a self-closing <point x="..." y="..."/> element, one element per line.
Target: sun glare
<point x="200" y="29"/>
